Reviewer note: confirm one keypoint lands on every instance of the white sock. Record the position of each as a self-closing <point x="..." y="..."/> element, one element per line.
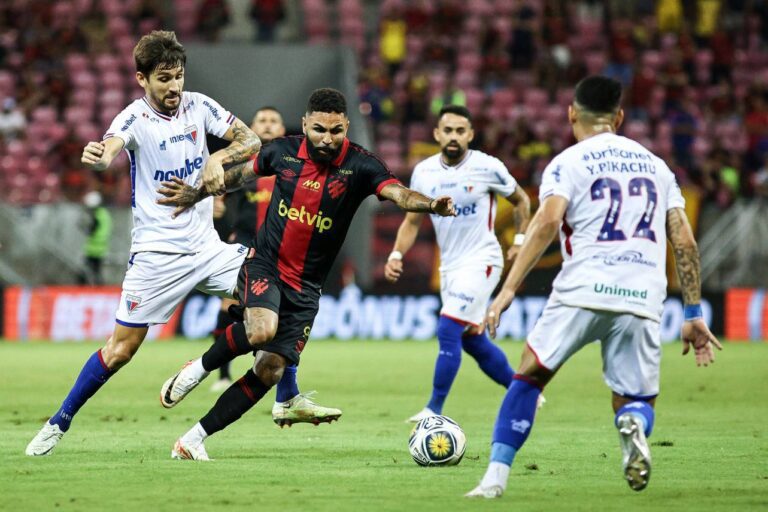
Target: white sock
<point x="197" y="369"/>
<point x="196" y="435"/>
<point x="496" y="474"/>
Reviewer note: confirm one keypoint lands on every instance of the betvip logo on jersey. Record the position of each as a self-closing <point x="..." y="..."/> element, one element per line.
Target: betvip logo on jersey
<point x="132" y="302"/>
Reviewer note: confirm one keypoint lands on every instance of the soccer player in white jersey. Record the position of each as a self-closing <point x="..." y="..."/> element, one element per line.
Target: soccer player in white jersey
<point x="614" y="204"/>
<point x="164" y="136"/>
<point x="470" y="255"/>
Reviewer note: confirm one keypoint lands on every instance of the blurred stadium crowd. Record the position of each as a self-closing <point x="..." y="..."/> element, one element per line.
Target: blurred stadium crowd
<point x="695" y="72"/>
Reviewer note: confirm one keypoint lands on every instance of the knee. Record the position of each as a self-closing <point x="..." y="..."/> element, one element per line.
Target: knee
<point x="269" y="367"/>
<point x="118" y="353"/>
<point x="260" y="331"/>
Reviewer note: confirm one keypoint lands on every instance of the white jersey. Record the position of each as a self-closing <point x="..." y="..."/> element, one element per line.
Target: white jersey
<point x="468" y="238"/>
<point x="159" y="147"/>
<point x="613" y="236"/>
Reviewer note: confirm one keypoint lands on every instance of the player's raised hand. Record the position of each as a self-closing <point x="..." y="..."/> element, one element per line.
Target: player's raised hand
<point x="179" y="194"/>
<point x="696" y="333"/>
<point x="443" y="206"/>
<point x="213" y="177"/>
<point x="393" y="269"/>
<point x="92" y="156"/>
<point x="497" y="307"/>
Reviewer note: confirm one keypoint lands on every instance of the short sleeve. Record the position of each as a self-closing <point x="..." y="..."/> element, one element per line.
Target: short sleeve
<point x="416" y="181"/>
<point x="378" y="176"/>
<point x="675" y="197"/>
<point x="217" y="118"/>
<point x="501" y="181"/>
<point x="124" y="126"/>
<point x="263" y="162"/>
<point x="556" y="180"/>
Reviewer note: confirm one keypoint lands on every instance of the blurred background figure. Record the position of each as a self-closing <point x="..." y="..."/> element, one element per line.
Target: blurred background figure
<point x="98" y="227"/>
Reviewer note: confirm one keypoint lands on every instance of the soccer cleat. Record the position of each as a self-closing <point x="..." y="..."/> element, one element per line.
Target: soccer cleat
<point x="220" y="385"/>
<point x="45" y="441"/>
<point x="493" y="491"/>
<point x="540" y="402"/>
<point x="302" y="409"/>
<point x="177" y="387"/>
<point x="424" y="413"/>
<point x="637" y="455"/>
<point x="187" y="451"/>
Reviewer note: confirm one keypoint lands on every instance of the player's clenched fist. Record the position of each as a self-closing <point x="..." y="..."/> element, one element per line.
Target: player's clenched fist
<point x="443" y="206"/>
<point x="393" y="269"/>
<point x="93" y="156"/>
<point x="213" y="177"/>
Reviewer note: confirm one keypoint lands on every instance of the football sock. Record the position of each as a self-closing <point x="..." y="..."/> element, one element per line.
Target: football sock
<point x="517" y="412"/>
<point x="234" y="402"/>
<point x="196" y="435"/>
<point x="287" y="388"/>
<point x="448" y="361"/>
<point x="489" y="357"/>
<point x="222" y="322"/>
<point x="93" y="375"/>
<point x="496" y="474"/>
<point x="231" y="343"/>
<point x="642" y="411"/>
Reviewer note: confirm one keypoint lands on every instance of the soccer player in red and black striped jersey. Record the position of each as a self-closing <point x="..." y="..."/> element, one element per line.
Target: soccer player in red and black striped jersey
<point x="321" y="180"/>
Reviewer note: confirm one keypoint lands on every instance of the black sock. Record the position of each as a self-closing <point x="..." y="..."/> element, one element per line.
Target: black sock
<point x="234" y="402"/>
<point x="224" y="371"/>
<point x="231" y="343"/>
<point x="222" y="322"/>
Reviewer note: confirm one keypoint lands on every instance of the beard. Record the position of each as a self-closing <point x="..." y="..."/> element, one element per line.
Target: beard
<point x="324" y="157"/>
<point x="452" y="152"/>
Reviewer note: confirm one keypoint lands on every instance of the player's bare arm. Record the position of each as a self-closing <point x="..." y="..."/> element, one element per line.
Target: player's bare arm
<point x="541" y="231"/>
<point x="412" y="201"/>
<point x="521" y="217"/>
<point x="98" y="156"/>
<point x="244" y="144"/>
<point x="406" y="237"/>
<point x="695" y="331"/>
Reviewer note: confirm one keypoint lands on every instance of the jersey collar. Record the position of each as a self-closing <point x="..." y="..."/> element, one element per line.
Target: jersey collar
<point x="304" y="153"/>
<point x="160" y="114"/>
<point x="446" y="166"/>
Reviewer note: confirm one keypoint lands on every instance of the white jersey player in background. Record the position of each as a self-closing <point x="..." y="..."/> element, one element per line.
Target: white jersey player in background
<point x="470" y="255"/>
<point x="164" y="136"/>
<point x="614" y="204"/>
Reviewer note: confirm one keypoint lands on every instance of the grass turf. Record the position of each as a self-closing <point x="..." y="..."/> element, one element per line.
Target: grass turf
<point x="710" y="443"/>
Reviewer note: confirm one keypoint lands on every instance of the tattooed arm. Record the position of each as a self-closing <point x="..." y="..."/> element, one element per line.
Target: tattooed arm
<point x="412" y="201"/>
<point x="695" y="332"/>
<point x="244" y="144"/>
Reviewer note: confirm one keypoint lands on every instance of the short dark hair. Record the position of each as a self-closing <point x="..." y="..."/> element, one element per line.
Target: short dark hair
<point x="269" y="107"/>
<point x="598" y="94"/>
<point x="158" y="50"/>
<point x="327" y="100"/>
<point x="458" y="110"/>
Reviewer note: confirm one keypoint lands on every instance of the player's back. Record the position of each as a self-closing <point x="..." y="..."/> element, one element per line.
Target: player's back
<point x="613" y="235"/>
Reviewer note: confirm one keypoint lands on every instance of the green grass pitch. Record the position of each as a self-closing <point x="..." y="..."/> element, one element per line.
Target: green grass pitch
<point x="710" y="444"/>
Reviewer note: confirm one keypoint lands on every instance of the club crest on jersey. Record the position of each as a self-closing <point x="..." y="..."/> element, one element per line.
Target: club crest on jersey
<point x="132" y="302"/>
<point x="190" y="133"/>
<point x="337" y="187"/>
<point x="468" y="188"/>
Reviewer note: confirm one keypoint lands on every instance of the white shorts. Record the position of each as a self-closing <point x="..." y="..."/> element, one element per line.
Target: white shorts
<point x="465" y="292"/>
<point x="157" y="282"/>
<point x="631" y="345"/>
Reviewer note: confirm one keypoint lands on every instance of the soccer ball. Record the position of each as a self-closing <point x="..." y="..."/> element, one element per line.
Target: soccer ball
<point x="437" y="441"/>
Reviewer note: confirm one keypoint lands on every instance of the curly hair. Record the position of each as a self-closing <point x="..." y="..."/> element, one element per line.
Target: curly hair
<point x="327" y="100"/>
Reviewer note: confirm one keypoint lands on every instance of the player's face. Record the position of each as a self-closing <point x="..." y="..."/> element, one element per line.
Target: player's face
<point x="325" y="133"/>
<point x="268" y="125"/>
<point x="163" y="87"/>
<point x="453" y="133"/>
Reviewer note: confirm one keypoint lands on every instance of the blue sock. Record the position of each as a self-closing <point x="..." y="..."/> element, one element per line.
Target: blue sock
<point x="503" y="453"/>
<point x="287" y="388"/>
<point x="642" y="411"/>
<point x="93" y="375"/>
<point x="448" y="361"/>
<point x="489" y="357"/>
<point x="516" y="414"/>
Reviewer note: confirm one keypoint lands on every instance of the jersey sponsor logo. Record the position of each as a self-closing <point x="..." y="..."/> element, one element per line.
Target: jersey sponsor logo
<point x="190" y="166"/>
<point x="346" y="171"/>
<point x="303" y="216"/>
<point x="616" y="153"/>
<point x="132" y="302"/>
<point x="259" y="196"/>
<point x="300" y="345"/>
<point x="311" y="185"/>
<point x="466" y="210"/>
<point x="461" y="296"/>
<point x="214" y="110"/>
<point x="556" y="173"/>
<point x="337" y="187"/>
<point x="289" y="158"/>
<point x="128" y="123"/>
<point x="618" y="291"/>
<point x="287" y="175"/>
<point x="520" y="425"/>
<point x="627" y="257"/>
<point x="162" y="146"/>
<point x="259" y="286"/>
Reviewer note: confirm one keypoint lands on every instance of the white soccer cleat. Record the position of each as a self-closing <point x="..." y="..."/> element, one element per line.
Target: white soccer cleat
<point x="177" y="387"/>
<point x="220" y="385"/>
<point x="493" y="491"/>
<point x="302" y="409"/>
<point x="188" y="451"/>
<point x="424" y="413"/>
<point x="45" y="441"/>
<point x="540" y="402"/>
<point x="635" y="451"/>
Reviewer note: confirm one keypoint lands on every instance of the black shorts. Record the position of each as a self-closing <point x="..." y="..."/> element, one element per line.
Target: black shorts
<point x="260" y="287"/>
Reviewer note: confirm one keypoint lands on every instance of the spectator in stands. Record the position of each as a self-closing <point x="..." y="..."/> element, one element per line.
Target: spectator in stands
<point x="416" y="109"/>
<point x="522" y="48"/>
<point x="12" y="120"/>
<point x="392" y="36"/>
<point x="266" y="15"/>
<point x="452" y="94"/>
<point x="212" y="16"/>
<point x="669" y="15"/>
<point x="683" y="132"/>
<point x="722" y="55"/>
<point x="99" y="230"/>
<point x="756" y="122"/>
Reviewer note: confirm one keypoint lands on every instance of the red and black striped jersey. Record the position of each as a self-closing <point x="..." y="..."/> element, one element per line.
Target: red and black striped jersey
<point x="312" y="206"/>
